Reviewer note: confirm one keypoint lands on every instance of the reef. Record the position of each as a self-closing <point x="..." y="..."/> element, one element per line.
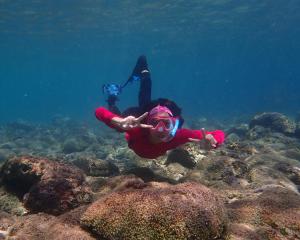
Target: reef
<point x="69" y="180"/>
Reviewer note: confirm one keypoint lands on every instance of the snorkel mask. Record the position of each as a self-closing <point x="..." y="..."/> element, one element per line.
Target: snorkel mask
<point x="167" y="125"/>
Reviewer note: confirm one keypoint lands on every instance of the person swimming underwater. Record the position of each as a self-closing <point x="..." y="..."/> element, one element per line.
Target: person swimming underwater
<point x="154" y="127"/>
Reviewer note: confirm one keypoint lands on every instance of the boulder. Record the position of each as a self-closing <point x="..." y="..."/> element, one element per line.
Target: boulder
<point x="45" y="186"/>
<point x="275" y="121"/>
<point x="157" y="211"/>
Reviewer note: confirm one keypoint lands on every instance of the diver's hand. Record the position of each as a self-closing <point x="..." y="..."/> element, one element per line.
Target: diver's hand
<point x="210" y="141"/>
<point x="130" y="122"/>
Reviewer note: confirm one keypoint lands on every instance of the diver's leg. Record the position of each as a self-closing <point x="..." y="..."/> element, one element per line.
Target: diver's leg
<point x="141" y="70"/>
<point x="145" y="89"/>
<point x="142" y="74"/>
<point x="111" y="101"/>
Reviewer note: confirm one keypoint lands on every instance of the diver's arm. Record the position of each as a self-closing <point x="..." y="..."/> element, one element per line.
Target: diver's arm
<point x="121" y="124"/>
<point x="187" y="135"/>
<point x="107" y="117"/>
<point x="130" y="122"/>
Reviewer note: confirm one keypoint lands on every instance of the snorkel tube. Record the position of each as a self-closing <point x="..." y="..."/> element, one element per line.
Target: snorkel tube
<point x="174" y="130"/>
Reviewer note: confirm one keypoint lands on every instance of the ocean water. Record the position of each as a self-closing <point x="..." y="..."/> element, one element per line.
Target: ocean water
<point x="221" y="59"/>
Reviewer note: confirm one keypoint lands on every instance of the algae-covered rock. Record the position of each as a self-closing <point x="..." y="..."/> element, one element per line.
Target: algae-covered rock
<point x="158" y="211"/>
<point x="274" y="121"/>
<point x="10" y="203"/>
<point x="44" y="185"/>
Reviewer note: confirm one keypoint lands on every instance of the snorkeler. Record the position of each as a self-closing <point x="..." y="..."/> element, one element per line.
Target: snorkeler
<point x="154" y="127"/>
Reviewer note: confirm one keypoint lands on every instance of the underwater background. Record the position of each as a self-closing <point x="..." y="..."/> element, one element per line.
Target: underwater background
<point x="222" y="59"/>
<point x="230" y="65"/>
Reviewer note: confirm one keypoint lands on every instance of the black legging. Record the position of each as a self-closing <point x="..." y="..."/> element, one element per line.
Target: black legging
<point x="144" y="97"/>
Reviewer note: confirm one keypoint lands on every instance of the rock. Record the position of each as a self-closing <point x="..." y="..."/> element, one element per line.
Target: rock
<point x="297" y="131"/>
<point x="104" y="186"/>
<point x="73" y="145"/>
<point x="238" y="149"/>
<point x="292" y="172"/>
<point x="241" y="231"/>
<point x="22" y="125"/>
<point x="47" y="227"/>
<point x="239" y="130"/>
<point x="6" y="220"/>
<point x="171" y="168"/>
<point x="158" y="211"/>
<point x="44" y="185"/>
<point x="275" y="121"/>
<point x="273" y="167"/>
<point x="96" y="167"/>
<point x="11" y="204"/>
<point x="181" y="156"/>
<point x="232" y="137"/>
<point x="257" y="132"/>
<point x="292" y="153"/>
<point x="273" y="213"/>
<point x="8" y="145"/>
<point x="5" y="155"/>
<point x="155" y="171"/>
<point x="226" y="169"/>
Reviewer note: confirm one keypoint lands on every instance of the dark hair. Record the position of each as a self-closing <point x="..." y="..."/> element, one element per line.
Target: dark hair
<point x="137" y="111"/>
<point x="163" y="102"/>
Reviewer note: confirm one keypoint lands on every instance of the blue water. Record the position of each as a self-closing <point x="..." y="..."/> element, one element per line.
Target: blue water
<point x="215" y="58"/>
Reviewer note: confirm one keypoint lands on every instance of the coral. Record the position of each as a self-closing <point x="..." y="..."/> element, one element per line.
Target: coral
<point x="158" y="211"/>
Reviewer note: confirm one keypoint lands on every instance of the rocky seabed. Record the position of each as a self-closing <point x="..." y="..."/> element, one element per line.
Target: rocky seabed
<point x="68" y="180"/>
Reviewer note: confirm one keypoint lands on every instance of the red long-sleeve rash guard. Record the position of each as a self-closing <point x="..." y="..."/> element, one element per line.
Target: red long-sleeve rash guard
<point x="138" y="138"/>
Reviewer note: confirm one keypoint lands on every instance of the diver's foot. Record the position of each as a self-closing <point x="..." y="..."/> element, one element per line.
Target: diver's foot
<point x="140" y="68"/>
